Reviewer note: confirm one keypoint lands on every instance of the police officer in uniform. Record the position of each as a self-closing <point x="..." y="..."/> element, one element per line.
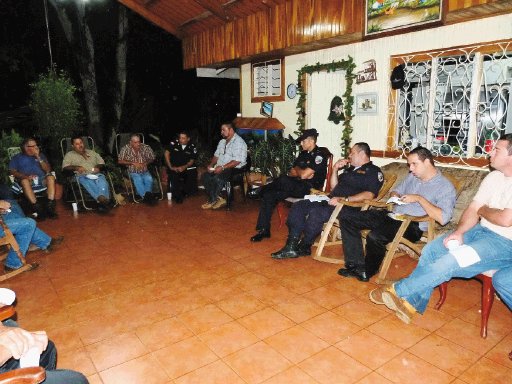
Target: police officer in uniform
<point x="180" y="158"/>
<point x="360" y="180"/>
<point x="308" y="171"/>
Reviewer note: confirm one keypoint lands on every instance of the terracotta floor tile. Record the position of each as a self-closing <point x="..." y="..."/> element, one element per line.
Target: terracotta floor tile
<point x="214" y="373"/>
<point x="299" y="309"/>
<point x="257" y="363"/>
<point x="77" y="360"/>
<point x="92" y="331"/>
<point x="163" y="333"/>
<point x="272" y="293"/>
<point x="67" y="338"/>
<point x="205" y="318"/>
<point x="116" y="350"/>
<point x="240" y="305"/>
<point x="431" y="320"/>
<point x="374" y="378"/>
<point x="499" y="354"/>
<point x="332" y="366"/>
<point x="266" y="322"/>
<point x="487" y="371"/>
<point x="219" y="290"/>
<point x="444" y="354"/>
<point x="228" y="338"/>
<point x="356" y="346"/>
<point x="362" y="313"/>
<point x="398" y="333"/>
<point x="304" y="345"/>
<point x="331" y="327"/>
<point x="145" y="369"/>
<point x="407" y="368"/>
<point x="184" y="357"/>
<point x="328" y="297"/>
<point x="292" y="375"/>
<point x="94" y="379"/>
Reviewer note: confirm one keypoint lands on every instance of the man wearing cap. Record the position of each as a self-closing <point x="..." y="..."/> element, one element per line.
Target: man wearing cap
<point x="308" y="171"/>
<point x="360" y="180"/>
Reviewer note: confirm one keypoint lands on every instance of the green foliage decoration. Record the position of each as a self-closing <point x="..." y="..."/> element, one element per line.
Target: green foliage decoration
<point x="273" y="157"/>
<point x="56" y="109"/>
<point x="7" y="140"/>
<point x="348" y="99"/>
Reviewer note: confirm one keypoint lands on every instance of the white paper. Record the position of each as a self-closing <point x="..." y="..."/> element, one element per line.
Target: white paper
<point x="317" y="197"/>
<point x="395" y="200"/>
<point x="6" y="296"/>
<point x="465" y="255"/>
<point x="30" y="358"/>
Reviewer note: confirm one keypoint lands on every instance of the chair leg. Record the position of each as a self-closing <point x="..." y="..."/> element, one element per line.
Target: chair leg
<point x="487" y="301"/>
<point x="390" y="254"/>
<point x="281" y="213"/>
<point x="443" y="287"/>
<point x="229" y="195"/>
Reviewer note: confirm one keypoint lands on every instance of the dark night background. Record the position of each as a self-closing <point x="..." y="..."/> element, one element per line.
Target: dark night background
<point x="160" y="98"/>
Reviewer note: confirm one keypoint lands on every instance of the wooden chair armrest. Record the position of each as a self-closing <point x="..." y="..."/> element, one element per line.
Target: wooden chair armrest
<point x="314" y="191"/>
<point x="417" y="219"/>
<point x="6" y="312"/>
<point x="31" y="375"/>
<point x="379" y="204"/>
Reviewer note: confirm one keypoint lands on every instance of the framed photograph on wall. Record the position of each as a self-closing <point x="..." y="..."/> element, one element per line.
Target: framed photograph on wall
<point x="386" y="17"/>
<point x="267" y="108"/>
<point x="367" y="104"/>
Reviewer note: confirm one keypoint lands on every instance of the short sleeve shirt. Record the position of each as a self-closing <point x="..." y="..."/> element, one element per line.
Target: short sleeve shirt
<point x="317" y="162"/>
<point x="352" y="181"/>
<point x="235" y="149"/>
<point x="181" y="155"/>
<point x="90" y="160"/>
<point x="144" y="155"/>
<point x="495" y="191"/>
<point x="28" y="165"/>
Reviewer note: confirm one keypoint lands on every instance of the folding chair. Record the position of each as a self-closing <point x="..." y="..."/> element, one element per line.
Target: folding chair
<point x="121" y="140"/>
<point x="78" y="193"/>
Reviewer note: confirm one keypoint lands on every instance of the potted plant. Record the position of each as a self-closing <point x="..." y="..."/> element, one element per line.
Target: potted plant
<point x="7" y="140"/>
<point x="273" y="157"/>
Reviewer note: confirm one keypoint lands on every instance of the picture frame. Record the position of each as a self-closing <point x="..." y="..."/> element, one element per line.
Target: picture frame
<point x="387" y="17"/>
<point x="267" y="108"/>
<point x="367" y="103"/>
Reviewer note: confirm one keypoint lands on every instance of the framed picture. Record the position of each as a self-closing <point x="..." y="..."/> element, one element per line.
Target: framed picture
<point x="385" y="17"/>
<point x="267" y="108"/>
<point x="367" y="104"/>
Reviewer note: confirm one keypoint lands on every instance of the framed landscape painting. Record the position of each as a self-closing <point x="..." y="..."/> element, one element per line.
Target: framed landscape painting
<point x="385" y="17"/>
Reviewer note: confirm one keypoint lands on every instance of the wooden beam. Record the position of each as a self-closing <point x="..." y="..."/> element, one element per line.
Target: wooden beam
<point x="215" y="9"/>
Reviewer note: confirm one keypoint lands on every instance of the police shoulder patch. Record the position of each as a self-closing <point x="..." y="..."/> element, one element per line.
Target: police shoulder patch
<point x="380" y="176"/>
<point x="318" y="159"/>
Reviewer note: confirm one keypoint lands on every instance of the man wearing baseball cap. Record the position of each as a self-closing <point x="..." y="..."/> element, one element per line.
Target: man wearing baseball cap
<point x="308" y="171"/>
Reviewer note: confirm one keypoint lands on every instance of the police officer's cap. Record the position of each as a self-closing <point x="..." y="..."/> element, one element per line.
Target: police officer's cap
<point x="307" y="133"/>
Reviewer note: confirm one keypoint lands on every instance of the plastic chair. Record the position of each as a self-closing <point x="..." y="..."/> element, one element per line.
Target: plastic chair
<point x="121" y="140"/>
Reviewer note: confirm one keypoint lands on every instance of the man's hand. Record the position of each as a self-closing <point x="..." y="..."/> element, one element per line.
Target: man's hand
<point x="218" y="170"/>
<point x="453" y="236"/>
<point x="334" y="200"/>
<point x="17" y="341"/>
<point x="5" y="205"/>
<point x="340" y="164"/>
<point x="81" y="170"/>
<point x="411" y="198"/>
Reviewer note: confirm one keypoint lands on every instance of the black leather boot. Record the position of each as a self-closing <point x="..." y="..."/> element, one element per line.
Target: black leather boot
<point x="262" y="234"/>
<point x="304" y="249"/>
<point x="50" y="209"/>
<point x="289" y="251"/>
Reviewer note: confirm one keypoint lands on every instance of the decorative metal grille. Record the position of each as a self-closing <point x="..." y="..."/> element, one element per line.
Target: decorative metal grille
<point x="267" y="78"/>
<point x="455" y="102"/>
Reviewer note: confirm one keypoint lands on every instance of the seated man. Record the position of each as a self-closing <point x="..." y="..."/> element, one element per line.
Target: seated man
<point x="425" y="191"/>
<point x="359" y="181"/>
<point x="137" y="156"/>
<point x="32" y="172"/>
<point x="231" y="154"/>
<point x="84" y="163"/>
<point x="484" y="230"/>
<point x="15" y="342"/>
<point x="25" y="232"/>
<point x="180" y="158"/>
<point x="308" y="171"/>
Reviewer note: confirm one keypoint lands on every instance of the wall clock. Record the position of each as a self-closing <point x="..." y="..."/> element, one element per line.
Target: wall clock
<point x="291" y="90"/>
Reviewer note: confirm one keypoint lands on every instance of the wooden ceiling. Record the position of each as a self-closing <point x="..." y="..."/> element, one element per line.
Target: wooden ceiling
<point x="184" y="18"/>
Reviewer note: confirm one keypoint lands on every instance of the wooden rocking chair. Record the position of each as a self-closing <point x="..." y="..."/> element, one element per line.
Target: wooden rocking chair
<point x="9" y="240"/>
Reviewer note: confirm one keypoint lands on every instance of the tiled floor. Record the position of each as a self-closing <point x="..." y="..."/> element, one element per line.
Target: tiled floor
<point x="175" y="294"/>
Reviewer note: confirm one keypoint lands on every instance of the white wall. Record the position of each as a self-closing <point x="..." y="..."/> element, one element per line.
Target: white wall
<point x="372" y="129"/>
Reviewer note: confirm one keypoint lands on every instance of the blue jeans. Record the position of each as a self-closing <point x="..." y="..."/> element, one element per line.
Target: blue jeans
<point x="48" y="361"/>
<point x="437" y="265"/>
<point x="96" y="188"/>
<point x="143" y="182"/>
<point x="25" y="232"/>
<point x="502" y="281"/>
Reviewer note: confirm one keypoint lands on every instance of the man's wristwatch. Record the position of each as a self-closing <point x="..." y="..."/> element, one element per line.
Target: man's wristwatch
<point x="347" y="198"/>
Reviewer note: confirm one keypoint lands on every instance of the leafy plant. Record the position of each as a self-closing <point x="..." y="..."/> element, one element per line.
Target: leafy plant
<point x="273" y="157"/>
<point x="7" y="140"/>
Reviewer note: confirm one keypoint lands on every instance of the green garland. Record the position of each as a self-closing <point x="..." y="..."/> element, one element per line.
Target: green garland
<point x="348" y="66"/>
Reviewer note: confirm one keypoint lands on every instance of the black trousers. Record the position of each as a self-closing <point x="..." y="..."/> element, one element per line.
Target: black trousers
<point x="382" y="231"/>
<point x="280" y="189"/>
<point x="183" y="183"/>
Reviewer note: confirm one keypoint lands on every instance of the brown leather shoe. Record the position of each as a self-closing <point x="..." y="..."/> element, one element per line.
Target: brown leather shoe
<point x="54" y="243"/>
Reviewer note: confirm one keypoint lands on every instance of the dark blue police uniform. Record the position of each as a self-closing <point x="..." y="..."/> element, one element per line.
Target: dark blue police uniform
<point x="285" y="186"/>
<point x="308" y="217"/>
<point x="182" y="183"/>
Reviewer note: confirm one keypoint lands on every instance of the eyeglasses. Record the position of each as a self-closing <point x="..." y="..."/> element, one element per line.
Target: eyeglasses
<point x="31" y="146"/>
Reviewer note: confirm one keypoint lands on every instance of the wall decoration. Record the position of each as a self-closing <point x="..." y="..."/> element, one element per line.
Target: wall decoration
<point x="267" y="108"/>
<point x="336" y="111"/>
<point x="291" y="90"/>
<point x="384" y="17"/>
<point x="367" y="103"/>
<point x="368" y="73"/>
<point x="348" y="100"/>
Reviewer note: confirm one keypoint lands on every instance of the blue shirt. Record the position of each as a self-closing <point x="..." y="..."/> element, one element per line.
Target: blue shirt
<point x="28" y="165"/>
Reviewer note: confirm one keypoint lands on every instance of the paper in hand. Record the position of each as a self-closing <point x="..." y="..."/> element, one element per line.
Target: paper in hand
<point x="465" y="255"/>
<point x="395" y="200"/>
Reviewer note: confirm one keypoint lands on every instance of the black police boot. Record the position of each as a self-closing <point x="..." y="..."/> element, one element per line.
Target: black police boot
<point x="38" y="212"/>
<point x="254" y="193"/>
<point x="262" y="234"/>
<point x="304" y="249"/>
<point x="50" y="209"/>
<point x="289" y="251"/>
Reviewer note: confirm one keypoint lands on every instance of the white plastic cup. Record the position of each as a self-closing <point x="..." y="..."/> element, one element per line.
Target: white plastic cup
<point x="169" y="195"/>
<point x="36" y="180"/>
<point x="75" y="207"/>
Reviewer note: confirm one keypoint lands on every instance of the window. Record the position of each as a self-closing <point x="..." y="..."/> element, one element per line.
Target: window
<point x="455" y="102"/>
<point x="268" y="81"/>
